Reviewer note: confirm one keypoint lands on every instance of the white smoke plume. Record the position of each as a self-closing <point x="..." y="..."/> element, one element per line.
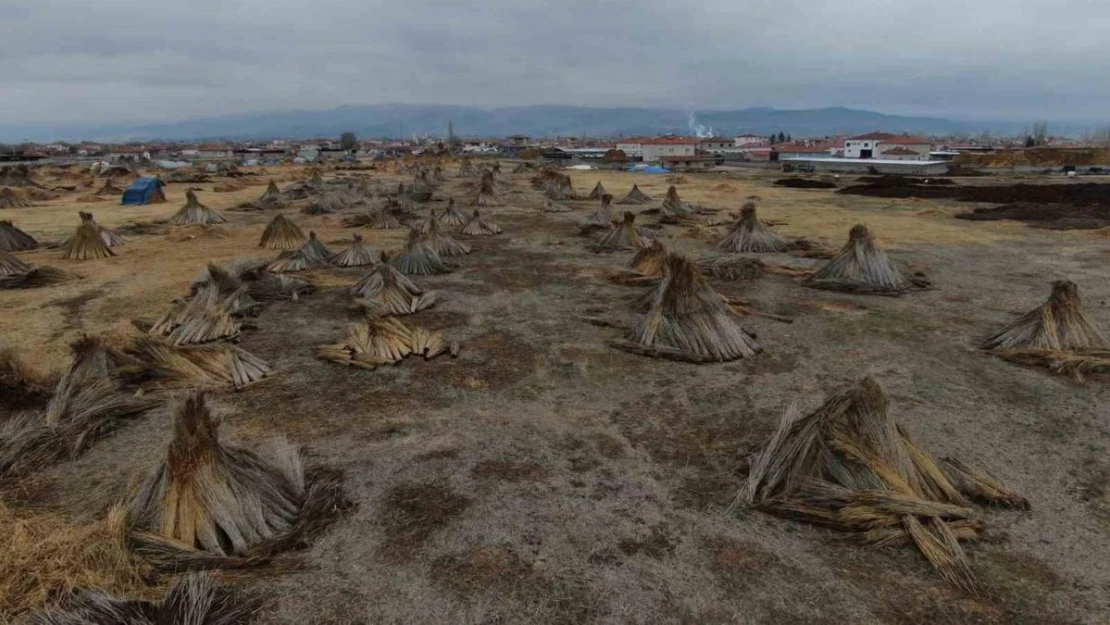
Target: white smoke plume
<point x="696" y="129"/>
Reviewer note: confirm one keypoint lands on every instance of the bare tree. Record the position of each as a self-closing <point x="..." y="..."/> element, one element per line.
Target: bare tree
<point x="348" y="141"/>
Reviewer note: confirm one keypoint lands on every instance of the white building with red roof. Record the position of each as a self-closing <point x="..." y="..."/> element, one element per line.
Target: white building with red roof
<point x="879" y="144"/>
<point x="653" y="150"/>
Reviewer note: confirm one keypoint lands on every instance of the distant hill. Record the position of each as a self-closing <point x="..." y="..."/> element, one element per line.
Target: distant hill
<point x="395" y="120"/>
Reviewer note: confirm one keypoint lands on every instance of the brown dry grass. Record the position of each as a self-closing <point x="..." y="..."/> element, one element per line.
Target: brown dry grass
<point x="45" y="557"/>
<point x="411" y="513"/>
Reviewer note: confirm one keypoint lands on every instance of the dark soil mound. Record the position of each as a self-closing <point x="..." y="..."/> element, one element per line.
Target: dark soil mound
<point x="1084" y="194"/>
<point x="804" y="183"/>
<point x="1051" y="216"/>
<point x="893" y="180"/>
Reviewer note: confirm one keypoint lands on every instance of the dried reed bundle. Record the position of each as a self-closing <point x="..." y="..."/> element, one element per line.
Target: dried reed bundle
<point x="635" y="197"/>
<point x="109" y="188"/>
<point x="11" y="198"/>
<point x="1057" y="335"/>
<point x="87" y="242"/>
<point x="370" y="344"/>
<point x="222" y="505"/>
<point x="487" y="194"/>
<point x="467" y="169"/>
<point x="860" y="267"/>
<point x="271" y="287"/>
<point x="686" y="320"/>
<point x="384" y="341"/>
<point x="359" y="254"/>
<point x="270" y="199"/>
<point x="453" y="218"/>
<point x="418" y="259"/>
<point x="386" y="291"/>
<point x="282" y="234"/>
<point x="849" y="466"/>
<point x="385" y="220"/>
<point x="477" y="227"/>
<point x="598" y="191"/>
<point x="195" y="213"/>
<point x="13" y="239"/>
<point x="88" y="402"/>
<point x="621" y="236"/>
<point x="192" y="600"/>
<point x="550" y="206"/>
<point x="329" y="201"/>
<point x="212" y="367"/>
<point x="674" y="210"/>
<point x="442" y="243"/>
<point x="750" y="235"/>
<point x="602" y="218"/>
<point x="10" y="265"/>
<point x="313" y="254"/>
<point x="558" y="186"/>
<point x="34" y="278"/>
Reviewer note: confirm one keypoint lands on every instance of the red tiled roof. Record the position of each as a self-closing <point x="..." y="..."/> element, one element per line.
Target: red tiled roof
<point x="670" y="141"/>
<point x="899" y="140"/>
<point x="899" y="151"/>
<point x="803" y="149"/>
<point x="873" y="136"/>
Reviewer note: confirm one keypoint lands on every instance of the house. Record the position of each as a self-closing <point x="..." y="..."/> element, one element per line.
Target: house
<point x="632" y="147"/>
<point x="748" y="141"/>
<point x="904" y="149"/>
<point x="715" y="145"/>
<point x="653" y="150"/>
<point x="215" y="150"/>
<point x="134" y="152"/>
<point x="685" y="163"/>
<point x="878" y="144"/>
<point x="864" y="146"/>
<point x="788" y="151"/>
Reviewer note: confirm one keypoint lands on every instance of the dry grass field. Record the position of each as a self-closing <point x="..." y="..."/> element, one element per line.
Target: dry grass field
<point x="544" y="477"/>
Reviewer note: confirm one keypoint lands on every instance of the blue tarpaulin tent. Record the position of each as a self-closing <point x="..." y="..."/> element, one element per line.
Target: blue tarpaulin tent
<point x="144" y="191"/>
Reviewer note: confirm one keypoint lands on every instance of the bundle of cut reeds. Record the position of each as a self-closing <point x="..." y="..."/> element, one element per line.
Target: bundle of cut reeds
<point x="12" y="198"/>
<point x="88" y="402"/>
<point x="849" y="466"/>
<point x="599" y="190"/>
<point x="622" y="235"/>
<point x="192" y="600"/>
<point x="12" y="239"/>
<point x="358" y="254"/>
<point x="861" y="267"/>
<point x="212" y="504"/>
<point x="635" y="197"/>
<point x="87" y="242"/>
<point x="477" y="227"/>
<point x="685" y="319"/>
<point x="750" y="235"/>
<point x="282" y="234"/>
<point x="1057" y="335"/>
<point x="442" y="243"/>
<point x="453" y="218"/>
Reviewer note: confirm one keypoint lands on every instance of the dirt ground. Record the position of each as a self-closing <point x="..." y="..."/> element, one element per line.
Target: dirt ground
<point x="543" y="477"/>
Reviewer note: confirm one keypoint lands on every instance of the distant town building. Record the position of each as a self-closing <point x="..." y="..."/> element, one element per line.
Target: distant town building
<point x="215" y="150"/>
<point x="715" y="145"/>
<point x="653" y="150"/>
<point x="747" y="141"/>
<point x="904" y="149"/>
<point x="882" y="144"/>
<point x="632" y="147"/>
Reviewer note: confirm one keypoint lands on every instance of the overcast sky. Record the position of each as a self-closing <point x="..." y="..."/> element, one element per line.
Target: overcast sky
<point x="152" y="60"/>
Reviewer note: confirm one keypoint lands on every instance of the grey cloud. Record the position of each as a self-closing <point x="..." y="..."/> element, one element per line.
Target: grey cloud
<point x="133" y="60"/>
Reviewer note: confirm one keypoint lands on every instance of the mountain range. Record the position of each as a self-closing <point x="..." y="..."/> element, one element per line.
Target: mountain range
<point x="407" y="120"/>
